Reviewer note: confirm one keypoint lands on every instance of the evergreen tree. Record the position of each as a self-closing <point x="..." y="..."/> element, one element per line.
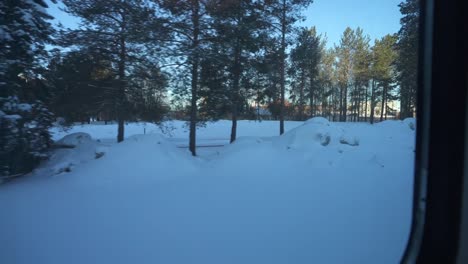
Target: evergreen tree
<point x="240" y="29"/>
<point x="268" y="68"/>
<point x="284" y="14"/>
<point x="361" y="72"/>
<point x="122" y="30"/>
<point x="82" y="82"/>
<point x="383" y="73"/>
<point x="408" y="56"/>
<point x="147" y="92"/>
<point x="190" y="22"/>
<point x="345" y="53"/>
<point x="214" y="104"/>
<point x="326" y="78"/>
<point x="305" y="60"/>
<point x="24" y="120"/>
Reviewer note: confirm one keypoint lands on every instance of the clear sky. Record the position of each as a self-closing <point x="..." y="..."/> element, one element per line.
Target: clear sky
<point x="376" y="17"/>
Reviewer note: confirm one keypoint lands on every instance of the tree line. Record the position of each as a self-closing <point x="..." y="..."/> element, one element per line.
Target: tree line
<point x="210" y="59"/>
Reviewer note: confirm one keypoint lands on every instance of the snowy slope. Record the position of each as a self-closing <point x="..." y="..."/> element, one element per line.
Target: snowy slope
<point x="298" y="198"/>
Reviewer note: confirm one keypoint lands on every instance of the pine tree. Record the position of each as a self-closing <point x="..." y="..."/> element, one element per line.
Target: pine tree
<point x="305" y="60"/>
<point x="214" y="104"/>
<point x="408" y="56"/>
<point x="122" y="30"/>
<point x="344" y="69"/>
<point x="148" y="89"/>
<point x="383" y="72"/>
<point x="190" y="22"/>
<point x="24" y="120"/>
<point x="267" y="67"/>
<point x="326" y="78"/>
<point x="284" y="13"/>
<point x="239" y="27"/>
<point x="82" y="83"/>
<point x="361" y="72"/>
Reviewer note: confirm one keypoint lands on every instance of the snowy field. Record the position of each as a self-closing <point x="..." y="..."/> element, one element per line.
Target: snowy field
<point x="321" y="193"/>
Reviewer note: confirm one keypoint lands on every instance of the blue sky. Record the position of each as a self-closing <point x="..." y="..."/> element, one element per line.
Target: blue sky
<point x="376" y="17"/>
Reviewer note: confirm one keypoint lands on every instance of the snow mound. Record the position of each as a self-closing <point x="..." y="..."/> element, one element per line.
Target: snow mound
<point x="317" y="120"/>
<point x="151" y="155"/>
<point x="304" y="136"/>
<point x="316" y="132"/>
<point x="73" y="150"/>
<point x="241" y="144"/>
<point x="150" y="145"/>
<point x="349" y="140"/>
<point x="150" y="148"/>
<point x="75" y="139"/>
<point x="411" y="122"/>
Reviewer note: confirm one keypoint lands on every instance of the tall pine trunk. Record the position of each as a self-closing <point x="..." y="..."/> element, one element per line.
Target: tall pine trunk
<point x="194" y="87"/>
<point x="122" y="86"/>
<point x="353" y="106"/>
<point x="282" y="66"/>
<point x="384" y="97"/>
<point x="345" y="103"/>
<point x="366" y="102"/>
<point x="235" y="90"/>
<point x="311" y="95"/>
<point x="341" y="104"/>
<point x="301" y="96"/>
<point x="234" y="122"/>
<point x="359" y="103"/>
<point x="372" y="103"/>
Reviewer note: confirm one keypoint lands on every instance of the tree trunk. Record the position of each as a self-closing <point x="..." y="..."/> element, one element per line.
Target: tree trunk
<point x="359" y="103"/>
<point x="120" y="129"/>
<point x="404" y="108"/>
<point x="301" y="97"/>
<point x="235" y="90"/>
<point x="258" y="109"/>
<point x="312" y="101"/>
<point x="353" y="106"/>
<point x="384" y="95"/>
<point x="341" y="104"/>
<point x="122" y="86"/>
<point x="336" y="107"/>
<point x="234" y="123"/>
<point x="372" y="103"/>
<point x="194" y="87"/>
<point x="366" y="102"/>
<point x="345" y="103"/>
<point x="386" y="110"/>
<point x="282" y="66"/>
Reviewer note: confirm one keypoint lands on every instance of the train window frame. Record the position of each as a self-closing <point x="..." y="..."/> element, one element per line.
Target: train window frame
<point x="440" y="166"/>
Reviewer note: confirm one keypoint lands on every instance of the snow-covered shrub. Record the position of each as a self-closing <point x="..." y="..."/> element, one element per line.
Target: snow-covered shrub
<point x="24" y="135"/>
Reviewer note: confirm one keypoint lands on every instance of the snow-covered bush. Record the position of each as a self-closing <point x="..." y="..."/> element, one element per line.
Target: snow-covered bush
<point x="24" y="135"/>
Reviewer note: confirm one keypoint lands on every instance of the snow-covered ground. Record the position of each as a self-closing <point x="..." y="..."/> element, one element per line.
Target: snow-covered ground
<point x="321" y="193"/>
